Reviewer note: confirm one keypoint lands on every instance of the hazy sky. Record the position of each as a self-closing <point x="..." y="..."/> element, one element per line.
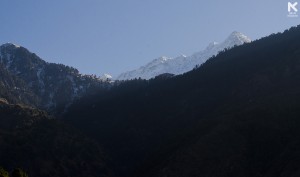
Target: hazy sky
<point x="112" y="36"/>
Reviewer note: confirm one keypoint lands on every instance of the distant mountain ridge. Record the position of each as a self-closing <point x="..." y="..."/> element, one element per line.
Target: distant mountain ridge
<point x="53" y="85"/>
<point x="182" y="64"/>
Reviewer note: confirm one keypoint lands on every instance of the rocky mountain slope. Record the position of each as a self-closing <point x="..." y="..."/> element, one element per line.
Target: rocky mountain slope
<point x="14" y="89"/>
<point x="182" y="64"/>
<point x="52" y="86"/>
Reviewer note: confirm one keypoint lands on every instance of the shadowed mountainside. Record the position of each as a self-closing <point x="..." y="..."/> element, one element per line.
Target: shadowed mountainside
<point x="42" y="146"/>
<point x="235" y="115"/>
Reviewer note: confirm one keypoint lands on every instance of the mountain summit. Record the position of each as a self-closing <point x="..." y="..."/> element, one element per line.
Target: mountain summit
<point x="182" y="64"/>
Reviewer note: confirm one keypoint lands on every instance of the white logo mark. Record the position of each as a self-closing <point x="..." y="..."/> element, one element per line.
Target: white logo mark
<point x="292" y="6"/>
<point x="292" y="9"/>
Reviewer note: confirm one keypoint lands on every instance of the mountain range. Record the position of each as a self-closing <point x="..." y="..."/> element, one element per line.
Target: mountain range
<point x="183" y="64"/>
<point x="236" y="114"/>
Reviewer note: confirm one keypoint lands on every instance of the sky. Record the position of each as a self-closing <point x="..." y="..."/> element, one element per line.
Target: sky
<point x="114" y="36"/>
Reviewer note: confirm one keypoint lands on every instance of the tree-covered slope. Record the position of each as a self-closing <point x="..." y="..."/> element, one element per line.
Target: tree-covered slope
<point x="42" y="146"/>
<point x="236" y="115"/>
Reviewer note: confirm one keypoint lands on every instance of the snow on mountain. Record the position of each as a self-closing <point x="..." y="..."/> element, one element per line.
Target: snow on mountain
<point x="105" y="77"/>
<point x="182" y="64"/>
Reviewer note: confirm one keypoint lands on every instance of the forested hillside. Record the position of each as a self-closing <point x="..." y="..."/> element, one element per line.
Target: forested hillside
<point x="42" y="146"/>
<point x="235" y="115"/>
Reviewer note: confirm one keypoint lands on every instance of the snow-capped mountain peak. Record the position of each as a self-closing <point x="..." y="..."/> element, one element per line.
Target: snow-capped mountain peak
<point x="106" y="77"/>
<point x="211" y="45"/>
<point x="182" y="64"/>
<point x="237" y="38"/>
<point x="157" y="61"/>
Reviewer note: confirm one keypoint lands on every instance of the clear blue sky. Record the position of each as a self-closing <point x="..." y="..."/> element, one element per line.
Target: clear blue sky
<point x="112" y="36"/>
